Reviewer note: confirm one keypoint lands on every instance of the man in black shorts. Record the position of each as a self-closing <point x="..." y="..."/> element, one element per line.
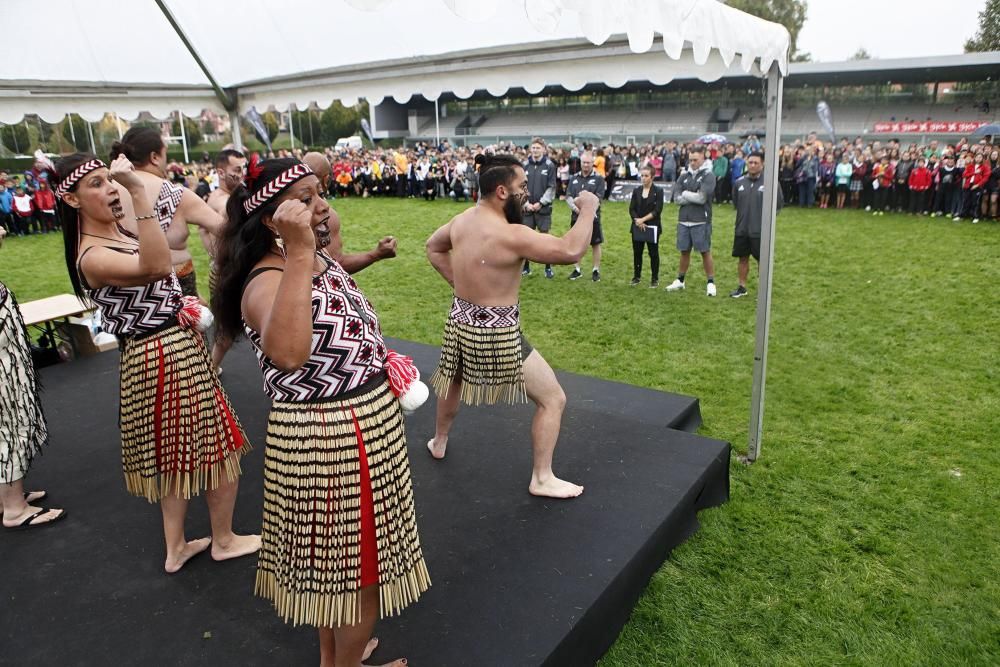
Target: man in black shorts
<point x="748" y="200"/>
<point x="590" y="181"/>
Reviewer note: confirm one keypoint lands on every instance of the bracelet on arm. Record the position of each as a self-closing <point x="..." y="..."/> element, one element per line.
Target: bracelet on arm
<point x="151" y="216"/>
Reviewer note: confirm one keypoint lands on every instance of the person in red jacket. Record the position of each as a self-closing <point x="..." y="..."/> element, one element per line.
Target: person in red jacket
<point x="974" y="179"/>
<point x="882" y="176"/>
<point x="45" y="207"/>
<point x="920" y="184"/>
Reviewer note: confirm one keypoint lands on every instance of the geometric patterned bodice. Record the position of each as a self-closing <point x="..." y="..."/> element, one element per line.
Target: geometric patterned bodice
<point x="347" y="347"/>
<point x="132" y="310"/>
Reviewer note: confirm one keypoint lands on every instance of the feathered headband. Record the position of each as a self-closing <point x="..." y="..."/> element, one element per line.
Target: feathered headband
<point x="273" y="188"/>
<point x="73" y="177"/>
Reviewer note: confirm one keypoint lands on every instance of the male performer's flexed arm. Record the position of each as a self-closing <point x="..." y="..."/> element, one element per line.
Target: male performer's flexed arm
<point x="439" y="252"/>
<point x="567" y="249"/>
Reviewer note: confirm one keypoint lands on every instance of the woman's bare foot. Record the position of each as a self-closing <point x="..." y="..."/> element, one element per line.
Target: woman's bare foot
<point x="191" y="549"/>
<point x="553" y="487"/>
<point x="235" y="546"/>
<point x="437" y="446"/>
<point x="369" y="648"/>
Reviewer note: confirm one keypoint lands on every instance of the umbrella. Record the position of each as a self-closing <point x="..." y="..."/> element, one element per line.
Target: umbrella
<point x="712" y="139"/>
<point x="992" y="130"/>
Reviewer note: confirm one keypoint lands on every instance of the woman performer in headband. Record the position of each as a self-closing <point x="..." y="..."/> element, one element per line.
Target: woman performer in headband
<point x="180" y="435"/>
<point x="22" y="424"/>
<point x="340" y="544"/>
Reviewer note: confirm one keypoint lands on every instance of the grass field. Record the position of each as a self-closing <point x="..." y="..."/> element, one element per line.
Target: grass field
<point x="868" y="531"/>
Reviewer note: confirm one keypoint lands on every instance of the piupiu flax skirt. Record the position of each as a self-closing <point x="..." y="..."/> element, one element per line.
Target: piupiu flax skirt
<point x="338" y="509"/>
<point x="484" y="348"/>
<point x="180" y="435"/>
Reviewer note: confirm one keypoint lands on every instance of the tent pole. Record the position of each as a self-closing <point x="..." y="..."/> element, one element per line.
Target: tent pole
<point x="291" y="126"/>
<point x="772" y="139"/>
<point x="234" y="124"/>
<point x="118" y="124"/>
<point x="72" y="132"/>
<point x="228" y="101"/>
<point x="184" y="141"/>
<point x="90" y="131"/>
<point x="437" y="122"/>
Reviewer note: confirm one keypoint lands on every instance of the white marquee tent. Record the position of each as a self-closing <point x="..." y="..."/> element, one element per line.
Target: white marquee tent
<point x="163" y="56"/>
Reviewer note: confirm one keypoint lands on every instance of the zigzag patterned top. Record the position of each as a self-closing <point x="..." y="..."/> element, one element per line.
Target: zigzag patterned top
<point x="347" y="345"/>
<point x="132" y="310"/>
<point x="488" y="317"/>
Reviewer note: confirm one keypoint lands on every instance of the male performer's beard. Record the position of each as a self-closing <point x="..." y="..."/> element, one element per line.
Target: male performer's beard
<point x="513" y="210"/>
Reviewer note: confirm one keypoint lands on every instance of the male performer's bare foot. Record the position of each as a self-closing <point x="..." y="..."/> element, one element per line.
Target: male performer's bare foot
<point x="369" y="648"/>
<point x="190" y="550"/>
<point x="395" y="663"/>
<point x="437" y="446"/>
<point x="235" y="546"/>
<point x="553" y="487"/>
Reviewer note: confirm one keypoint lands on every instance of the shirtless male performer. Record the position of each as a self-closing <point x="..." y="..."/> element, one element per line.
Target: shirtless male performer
<point x="484" y="356"/>
<point x="229" y="165"/>
<point x="355" y="262"/>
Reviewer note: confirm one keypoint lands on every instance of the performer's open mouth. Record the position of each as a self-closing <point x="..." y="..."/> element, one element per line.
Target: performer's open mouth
<point x="117" y="210"/>
<point x="322" y="232"/>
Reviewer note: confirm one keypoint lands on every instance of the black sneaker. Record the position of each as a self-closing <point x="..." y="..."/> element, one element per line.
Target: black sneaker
<point x="576" y="274"/>
<point x="595" y="275"/>
<point x="738" y="292"/>
<point x="549" y="273"/>
<point x="526" y="272"/>
<point x="635" y="281"/>
<point x="654" y="284"/>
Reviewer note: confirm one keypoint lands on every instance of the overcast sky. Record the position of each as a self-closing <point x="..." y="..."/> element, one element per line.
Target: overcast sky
<point x="834" y="29"/>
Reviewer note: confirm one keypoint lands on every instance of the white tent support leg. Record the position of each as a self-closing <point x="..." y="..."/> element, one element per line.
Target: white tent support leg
<point x="72" y="132"/>
<point x="775" y="85"/>
<point x="90" y="131"/>
<point x="234" y="124"/>
<point x="437" y="122"/>
<point x="118" y="126"/>
<point x="184" y="140"/>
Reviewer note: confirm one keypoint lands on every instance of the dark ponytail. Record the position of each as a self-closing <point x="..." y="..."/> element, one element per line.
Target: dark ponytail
<point x="137" y="145"/>
<point x="244" y="241"/>
<point x="70" y="217"/>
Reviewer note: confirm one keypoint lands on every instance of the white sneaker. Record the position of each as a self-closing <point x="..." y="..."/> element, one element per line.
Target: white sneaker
<point x="868" y="208"/>
<point x="955" y="219"/>
<point x="975" y="220"/>
<point x="711" y="289"/>
<point x="675" y="286"/>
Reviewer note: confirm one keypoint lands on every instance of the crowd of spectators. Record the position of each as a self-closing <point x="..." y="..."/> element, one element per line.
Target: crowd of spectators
<point x="953" y="180"/>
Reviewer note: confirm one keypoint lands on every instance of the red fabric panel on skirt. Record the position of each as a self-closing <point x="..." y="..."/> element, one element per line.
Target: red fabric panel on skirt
<point x="369" y="546"/>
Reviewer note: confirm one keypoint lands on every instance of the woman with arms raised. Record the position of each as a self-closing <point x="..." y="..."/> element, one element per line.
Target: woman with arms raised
<point x="180" y="436"/>
<point x="340" y="544"/>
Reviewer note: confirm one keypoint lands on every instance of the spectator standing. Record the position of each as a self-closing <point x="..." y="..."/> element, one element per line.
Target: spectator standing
<point x="825" y="177"/>
<point x="720" y="168"/>
<point x="588" y="179"/>
<point x="695" y="189"/>
<point x="644" y="210"/>
<point x="948" y="179"/>
<point x="7" y="210"/>
<point x="918" y="185"/>
<point x="44" y="201"/>
<point x="901" y="187"/>
<point x="882" y="177"/>
<point x="748" y="200"/>
<point x="542" y="178"/>
<point x="974" y="179"/>
<point x="805" y="177"/>
<point x="671" y="157"/>
<point x="842" y="178"/>
<point x="24" y="211"/>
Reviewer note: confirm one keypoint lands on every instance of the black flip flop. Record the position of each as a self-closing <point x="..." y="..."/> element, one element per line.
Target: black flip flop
<point x="28" y="522"/>
<point x="45" y="494"/>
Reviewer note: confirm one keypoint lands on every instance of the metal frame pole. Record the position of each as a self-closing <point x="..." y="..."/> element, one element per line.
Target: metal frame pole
<point x="184" y="141"/>
<point x="291" y="125"/>
<point x="775" y="88"/>
<point x="437" y="122"/>
<point x="90" y="131"/>
<point x="234" y="125"/>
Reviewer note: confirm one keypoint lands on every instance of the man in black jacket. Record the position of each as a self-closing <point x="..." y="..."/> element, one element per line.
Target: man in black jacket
<point x="748" y="200"/>
<point x="541" y="173"/>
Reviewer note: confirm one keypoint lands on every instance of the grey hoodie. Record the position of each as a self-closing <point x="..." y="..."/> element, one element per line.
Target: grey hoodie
<point x="694" y="192"/>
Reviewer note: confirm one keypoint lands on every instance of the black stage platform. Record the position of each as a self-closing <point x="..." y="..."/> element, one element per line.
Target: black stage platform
<point x="517" y="580"/>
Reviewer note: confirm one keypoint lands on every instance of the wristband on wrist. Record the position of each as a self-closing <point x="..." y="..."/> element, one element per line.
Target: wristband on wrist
<point x="151" y="216"/>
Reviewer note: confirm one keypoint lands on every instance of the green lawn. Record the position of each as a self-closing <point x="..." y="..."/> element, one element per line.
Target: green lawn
<point x="867" y="533"/>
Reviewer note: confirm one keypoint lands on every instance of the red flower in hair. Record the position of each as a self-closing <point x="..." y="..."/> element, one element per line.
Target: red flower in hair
<point x="253" y="171"/>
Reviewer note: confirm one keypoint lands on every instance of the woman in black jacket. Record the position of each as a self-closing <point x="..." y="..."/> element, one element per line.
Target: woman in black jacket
<point x="644" y="210"/>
